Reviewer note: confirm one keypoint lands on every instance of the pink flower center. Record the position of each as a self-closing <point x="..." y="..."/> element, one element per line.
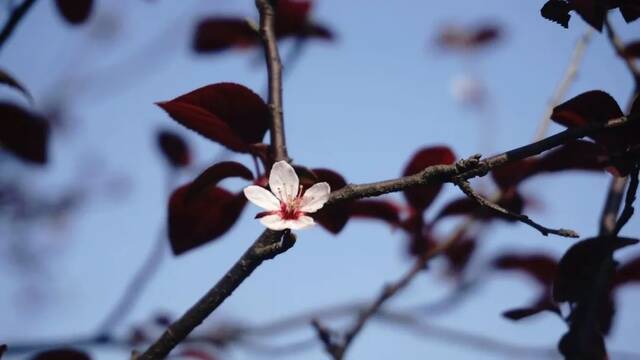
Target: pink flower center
<point x="290" y="210"/>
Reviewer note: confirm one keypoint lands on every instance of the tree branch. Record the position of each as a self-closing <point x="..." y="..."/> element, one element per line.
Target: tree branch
<point x="264" y="248"/>
<point x="473" y="166"/>
<point x="473" y="195"/>
<point x="14" y="19"/>
<point x="274" y="69"/>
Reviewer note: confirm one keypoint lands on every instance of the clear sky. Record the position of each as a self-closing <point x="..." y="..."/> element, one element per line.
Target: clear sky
<point x="360" y="105"/>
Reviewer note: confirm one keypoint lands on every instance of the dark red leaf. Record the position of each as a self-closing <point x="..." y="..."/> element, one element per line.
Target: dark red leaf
<point x="197" y="354"/>
<point x="587" y="108"/>
<point x="595" y="107"/>
<point x="459" y="254"/>
<point x="453" y="37"/>
<point x="61" y="354"/>
<point x="291" y="16"/>
<point x="174" y="148"/>
<point x="543" y="304"/>
<point x="227" y="113"/>
<point x="540" y="267"/>
<point x="421" y="240"/>
<point x="511" y="174"/>
<point x="557" y="11"/>
<point x="629" y="272"/>
<point x="376" y="209"/>
<point x="216" y="173"/>
<point x="580" y="264"/>
<point x="591" y="11"/>
<point x="194" y="222"/>
<point x="510" y="200"/>
<point x="632" y="49"/>
<point x="7" y="79"/>
<point x="75" y="11"/>
<point x="23" y="133"/>
<point x="420" y="197"/>
<point x="218" y="34"/>
<point x="334" y="217"/>
<point x="630" y="10"/>
<point x="575" y="345"/>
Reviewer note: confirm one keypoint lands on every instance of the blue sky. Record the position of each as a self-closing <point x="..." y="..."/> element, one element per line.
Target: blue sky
<point x="361" y="105"/>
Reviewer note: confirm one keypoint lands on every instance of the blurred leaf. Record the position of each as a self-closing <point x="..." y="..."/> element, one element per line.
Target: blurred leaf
<point x="628" y="273"/>
<point x="334" y="217"/>
<point x="7" y="79"/>
<point x="3" y="348"/>
<point x="61" y="354"/>
<point x="227" y="113"/>
<point x="197" y="221"/>
<point x="632" y="49"/>
<point x="459" y="254"/>
<point x="384" y="210"/>
<point x="542" y="305"/>
<point x="580" y="265"/>
<point x="216" y="173"/>
<point x="219" y="34"/>
<point x="510" y="200"/>
<point x="453" y="37"/>
<point x="575" y="346"/>
<point x="174" y="148"/>
<point x="557" y="11"/>
<point x="24" y="134"/>
<point x="75" y="11"/>
<point x="420" y="197"/>
<point x="540" y="267"/>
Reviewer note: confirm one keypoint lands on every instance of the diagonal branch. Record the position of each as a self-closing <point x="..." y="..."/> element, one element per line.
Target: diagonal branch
<point x="473" y="195"/>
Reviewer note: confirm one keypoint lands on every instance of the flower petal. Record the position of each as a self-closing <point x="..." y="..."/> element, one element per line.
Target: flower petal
<point x="315" y="197"/>
<point x="262" y="197"/>
<point x="301" y="223"/>
<point x="283" y="181"/>
<point x="274" y="222"/>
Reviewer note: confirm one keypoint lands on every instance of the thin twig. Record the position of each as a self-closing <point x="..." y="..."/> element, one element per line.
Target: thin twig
<point x="336" y="345"/>
<point x="473" y="195"/>
<point x="274" y="69"/>
<point x="565" y="83"/>
<point x="14" y="19"/>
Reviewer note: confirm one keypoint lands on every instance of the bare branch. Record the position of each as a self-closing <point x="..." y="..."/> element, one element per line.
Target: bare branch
<point x="263" y="248"/>
<point x="274" y="69"/>
<point x="472" y="194"/>
<point x="473" y="167"/>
